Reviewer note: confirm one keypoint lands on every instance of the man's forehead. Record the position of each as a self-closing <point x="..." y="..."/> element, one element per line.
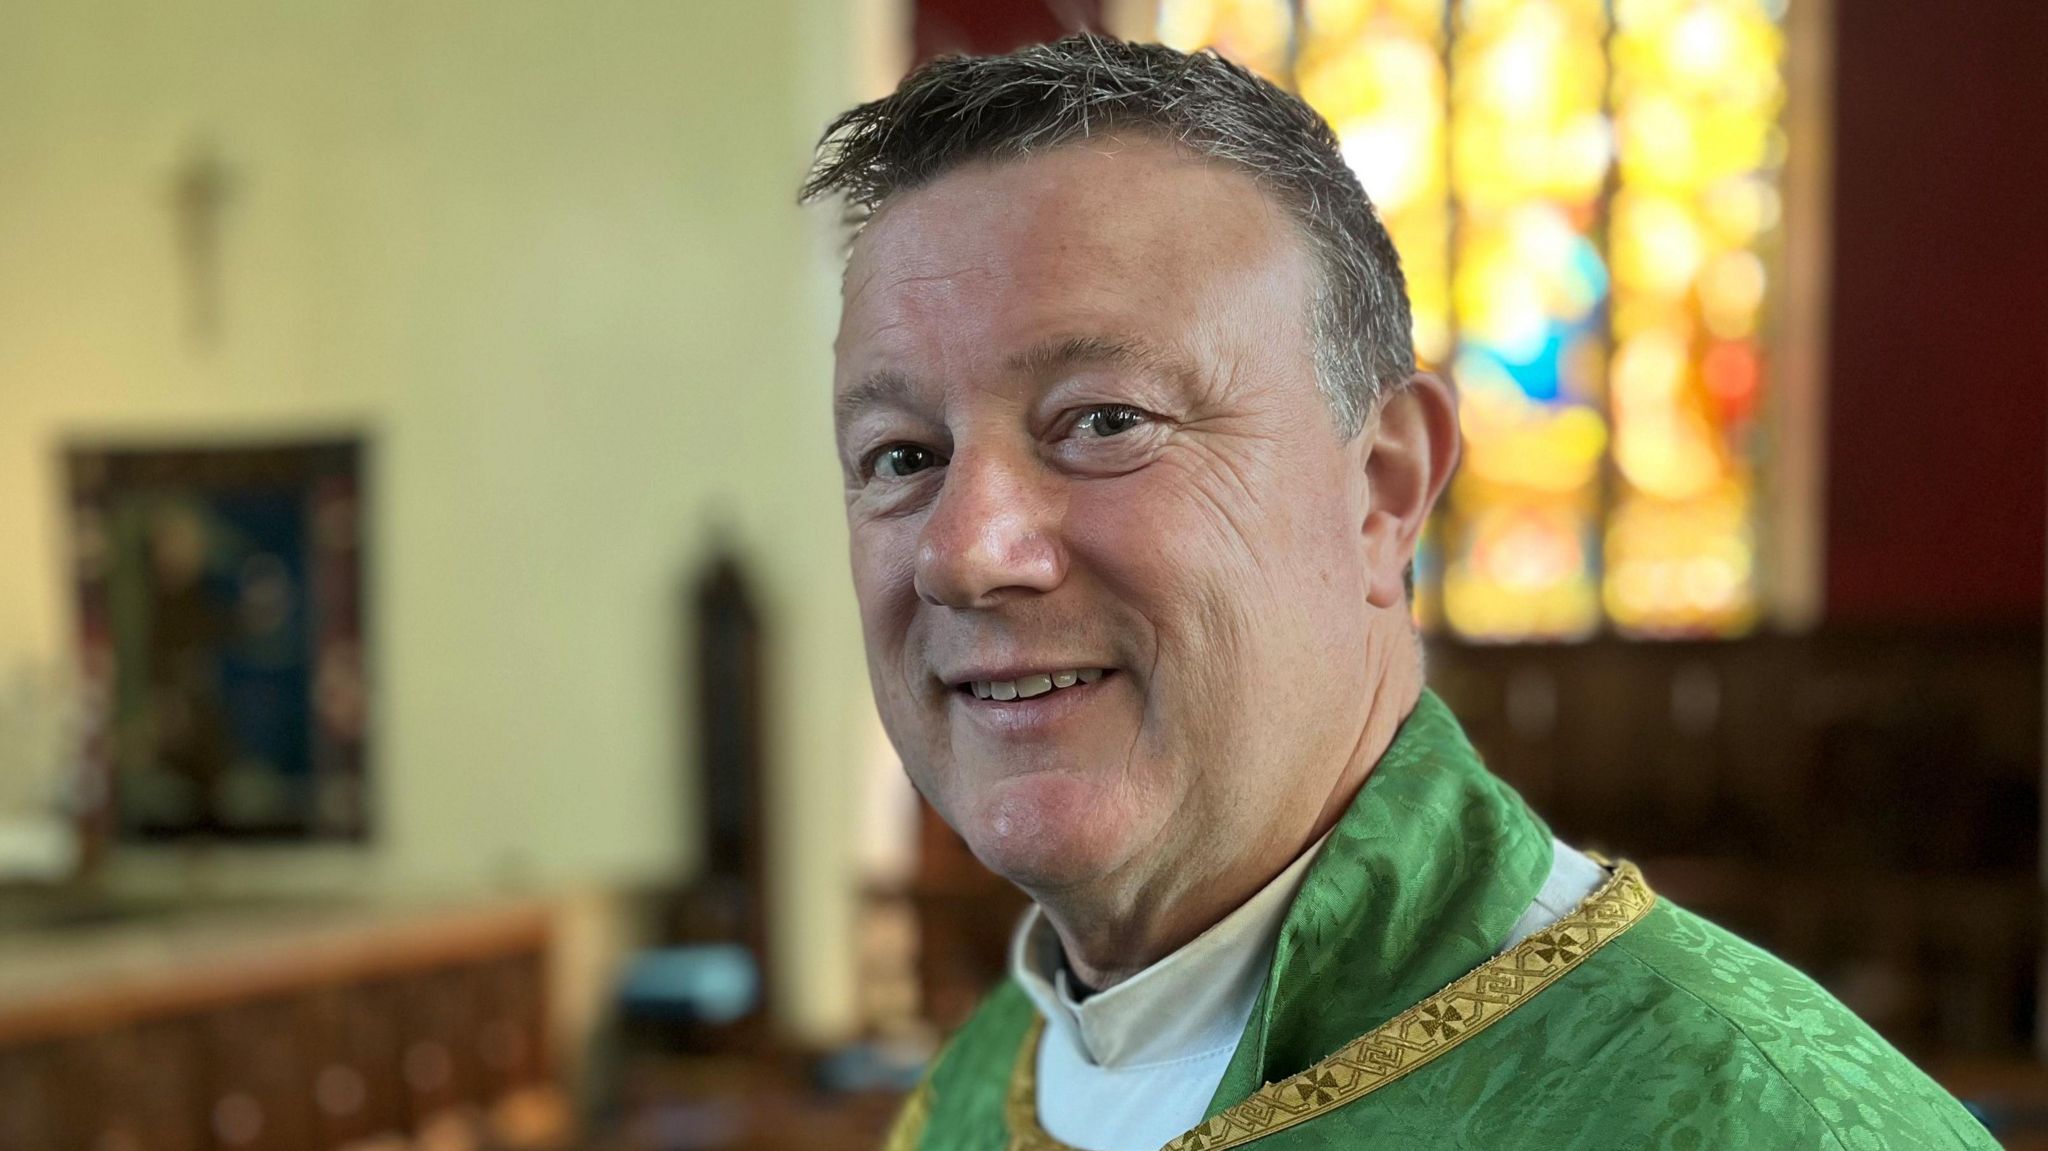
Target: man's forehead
<point x="1104" y="202"/>
<point x="1041" y="244"/>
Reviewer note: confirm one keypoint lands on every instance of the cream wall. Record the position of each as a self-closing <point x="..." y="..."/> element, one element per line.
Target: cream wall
<point x="545" y="256"/>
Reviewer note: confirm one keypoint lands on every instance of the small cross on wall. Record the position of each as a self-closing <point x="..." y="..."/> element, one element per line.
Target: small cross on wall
<point x="201" y="192"/>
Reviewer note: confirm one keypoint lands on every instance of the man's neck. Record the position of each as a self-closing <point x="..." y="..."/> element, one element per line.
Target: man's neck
<point x="1109" y="939"/>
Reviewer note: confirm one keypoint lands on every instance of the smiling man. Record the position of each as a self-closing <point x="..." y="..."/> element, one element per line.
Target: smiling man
<point x="1136" y="457"/>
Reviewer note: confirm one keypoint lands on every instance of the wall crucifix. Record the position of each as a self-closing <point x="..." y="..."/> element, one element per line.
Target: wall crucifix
<point x="201" y="192"/>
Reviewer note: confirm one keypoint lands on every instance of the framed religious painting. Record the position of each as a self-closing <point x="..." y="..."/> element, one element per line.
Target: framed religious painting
<point x="220" y="610"/>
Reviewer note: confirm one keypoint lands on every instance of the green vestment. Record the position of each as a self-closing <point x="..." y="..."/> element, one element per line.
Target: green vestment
<point x="1388" y="1021"/>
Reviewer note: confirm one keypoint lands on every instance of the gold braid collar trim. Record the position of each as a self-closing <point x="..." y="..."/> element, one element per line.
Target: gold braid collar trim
<point x="908" y="1130"/>
<point x="1397" y="1047"/>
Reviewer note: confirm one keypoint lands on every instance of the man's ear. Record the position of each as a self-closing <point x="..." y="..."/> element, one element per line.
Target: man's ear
<point x="1409" y="458"/>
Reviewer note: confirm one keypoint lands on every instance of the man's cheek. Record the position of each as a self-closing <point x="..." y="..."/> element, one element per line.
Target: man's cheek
<point x="925" y="779"/>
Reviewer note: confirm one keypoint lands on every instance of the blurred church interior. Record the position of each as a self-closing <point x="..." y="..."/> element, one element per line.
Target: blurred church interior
<point x="432" y="709"/>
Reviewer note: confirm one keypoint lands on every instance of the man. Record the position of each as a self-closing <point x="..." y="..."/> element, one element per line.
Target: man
<point x="1136" y="457"/>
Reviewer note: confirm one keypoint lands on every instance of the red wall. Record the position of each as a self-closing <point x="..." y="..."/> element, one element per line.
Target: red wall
<point x="1938" y="389"/>
<point x="982" y="27"/>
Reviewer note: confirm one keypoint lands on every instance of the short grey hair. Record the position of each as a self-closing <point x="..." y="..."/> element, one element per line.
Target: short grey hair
<point x="958" y="109"/>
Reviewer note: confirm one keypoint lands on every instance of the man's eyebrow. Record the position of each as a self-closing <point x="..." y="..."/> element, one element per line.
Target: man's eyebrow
<point x="875" y="389"/>
<point x="887" y="387"/>
<point x="1114" y="351"/>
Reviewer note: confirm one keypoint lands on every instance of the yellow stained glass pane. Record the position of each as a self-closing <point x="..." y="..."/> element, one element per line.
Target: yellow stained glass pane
<point x="1529" y="157"/>
<point x="1697" y="93"/>
<point x="1258" y="34"/>
<point x="1375" y="70"/>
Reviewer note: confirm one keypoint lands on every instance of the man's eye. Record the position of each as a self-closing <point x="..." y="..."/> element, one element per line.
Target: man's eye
<point x="1109" y="421"/>
<point x="899" y="460"/>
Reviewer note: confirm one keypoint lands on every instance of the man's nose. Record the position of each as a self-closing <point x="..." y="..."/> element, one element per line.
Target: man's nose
<point x="993" y="529"/>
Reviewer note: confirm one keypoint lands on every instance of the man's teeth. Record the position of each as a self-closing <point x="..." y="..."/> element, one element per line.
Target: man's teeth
<point x="1024" y="687"/>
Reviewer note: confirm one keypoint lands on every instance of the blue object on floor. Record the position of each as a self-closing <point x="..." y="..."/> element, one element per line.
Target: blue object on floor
<point x="702" y="983"/>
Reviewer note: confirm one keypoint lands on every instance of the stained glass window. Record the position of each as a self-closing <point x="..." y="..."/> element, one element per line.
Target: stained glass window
<point x="1697" y="92"/>
<point x="1584" y="194"/>
<point x="1258" y="34"/>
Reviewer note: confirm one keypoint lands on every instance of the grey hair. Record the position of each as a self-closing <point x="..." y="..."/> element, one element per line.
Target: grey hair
<point x="958" y="109"/>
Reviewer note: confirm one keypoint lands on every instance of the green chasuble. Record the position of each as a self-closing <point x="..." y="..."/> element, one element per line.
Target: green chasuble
<point x="1388" y="1020"/>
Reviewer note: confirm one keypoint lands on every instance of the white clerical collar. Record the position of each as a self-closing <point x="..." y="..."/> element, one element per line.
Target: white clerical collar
<point x="1192" y="1002"/>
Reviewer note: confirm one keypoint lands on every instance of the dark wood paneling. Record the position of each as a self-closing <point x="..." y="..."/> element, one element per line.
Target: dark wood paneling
<point x="315" y="1048"/>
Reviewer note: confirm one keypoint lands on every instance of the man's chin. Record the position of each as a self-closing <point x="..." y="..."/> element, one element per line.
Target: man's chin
<point x="1049" y="833"/>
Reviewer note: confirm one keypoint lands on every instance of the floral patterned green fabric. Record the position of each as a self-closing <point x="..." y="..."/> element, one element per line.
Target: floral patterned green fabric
<point x="1675" y="1035"/>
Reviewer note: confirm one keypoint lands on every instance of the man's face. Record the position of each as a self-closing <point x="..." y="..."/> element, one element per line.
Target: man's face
<point x="1081" y="433"/>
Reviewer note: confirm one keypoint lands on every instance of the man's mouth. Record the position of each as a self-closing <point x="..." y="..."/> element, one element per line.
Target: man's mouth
<point x="1032" y="685"/>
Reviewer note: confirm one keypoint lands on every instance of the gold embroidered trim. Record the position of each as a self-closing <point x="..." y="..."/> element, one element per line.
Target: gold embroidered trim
<point x="1020" y="1110"/>
<point x="908" y="1129"/>
<point x="1403" y="1044"/>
